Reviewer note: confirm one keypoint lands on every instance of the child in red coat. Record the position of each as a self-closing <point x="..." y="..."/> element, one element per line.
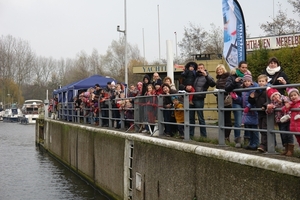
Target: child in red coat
<point x="294" y="96"/>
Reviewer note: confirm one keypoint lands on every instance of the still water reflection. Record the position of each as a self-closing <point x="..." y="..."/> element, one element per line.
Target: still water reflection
<point x="28" y="173"/>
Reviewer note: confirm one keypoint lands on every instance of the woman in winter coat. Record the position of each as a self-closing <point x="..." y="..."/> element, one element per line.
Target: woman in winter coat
<point x="167" y="104"/>
<point x="276" y="75"/>
<point x="235" y="81"/>
<point x="221" y="77"/>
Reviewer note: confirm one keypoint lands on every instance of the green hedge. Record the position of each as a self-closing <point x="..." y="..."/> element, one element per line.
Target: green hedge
<point x="289" y="59"/>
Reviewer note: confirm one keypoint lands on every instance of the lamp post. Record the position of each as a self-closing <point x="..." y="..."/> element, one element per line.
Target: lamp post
<point x="125" y="37"/>
<point x="176" y="42"/>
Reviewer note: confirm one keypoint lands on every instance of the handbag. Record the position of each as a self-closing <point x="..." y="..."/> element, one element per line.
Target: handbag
<point x="228" y="100"/>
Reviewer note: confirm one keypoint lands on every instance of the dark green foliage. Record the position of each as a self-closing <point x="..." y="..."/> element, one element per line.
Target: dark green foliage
<point x="289" y="60"/>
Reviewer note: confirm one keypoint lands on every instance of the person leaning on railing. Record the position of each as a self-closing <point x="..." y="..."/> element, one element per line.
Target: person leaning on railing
<point x="221" y="79"/>
<point x="202" y="82"/>
<point x="294" y="103"/>
<point x="167" y="105"/>
<point x="235" y="81"/>
<point x="259" y="100"/>
<point x="282" y="119"/>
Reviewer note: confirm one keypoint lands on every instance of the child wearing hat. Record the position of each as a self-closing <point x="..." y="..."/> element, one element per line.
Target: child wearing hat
<point x="189" y="73"/>
<point x="179" y="115"/>
<point x="294" y="96"/>
<point x="249" y="118"/>
<point x="158" y="89"/>
<point x="278" y="101"/>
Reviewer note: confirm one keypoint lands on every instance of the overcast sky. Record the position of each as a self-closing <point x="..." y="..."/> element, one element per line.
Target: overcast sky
<point x="63" y="28"/>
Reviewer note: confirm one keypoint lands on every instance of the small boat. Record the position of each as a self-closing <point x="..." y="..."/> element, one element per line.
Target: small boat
<point x="1" y="115"/>
<point x="30" y="111"/>
<point x="12" y="114"/>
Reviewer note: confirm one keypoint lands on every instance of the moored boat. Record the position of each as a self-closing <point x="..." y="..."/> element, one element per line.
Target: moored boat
<point x="1" y="115"/>
<point x="30" y="111"/>
<point x="12" y="114"/>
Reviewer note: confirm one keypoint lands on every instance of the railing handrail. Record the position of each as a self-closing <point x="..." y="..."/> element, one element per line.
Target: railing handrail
<point x="67" y="112"/>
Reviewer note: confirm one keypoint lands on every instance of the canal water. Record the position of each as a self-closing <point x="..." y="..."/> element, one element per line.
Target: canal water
<point x="30" y="174"/>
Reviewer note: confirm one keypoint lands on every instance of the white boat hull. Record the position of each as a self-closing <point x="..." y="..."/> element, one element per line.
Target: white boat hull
<point x="12" y="115"/>
<point x="29" y="119"/>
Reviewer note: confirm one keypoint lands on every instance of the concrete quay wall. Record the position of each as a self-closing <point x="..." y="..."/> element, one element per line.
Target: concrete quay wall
<point x="142" y="167"/>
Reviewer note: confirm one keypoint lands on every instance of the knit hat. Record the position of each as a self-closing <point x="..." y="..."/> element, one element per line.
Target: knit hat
<point x="157" y="83"/>
<point x="271" y="92"/>
<point x="247" y="77"/>
<point x="290" y="90"/>
<point x="174" y="97"/>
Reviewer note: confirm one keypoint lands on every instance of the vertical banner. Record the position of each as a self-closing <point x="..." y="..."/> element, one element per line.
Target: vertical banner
<point x="234" y="49"/>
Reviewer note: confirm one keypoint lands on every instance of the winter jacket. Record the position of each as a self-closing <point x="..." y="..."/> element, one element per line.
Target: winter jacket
<point x="279" y="114"/>
<point x="259" y="101"/>
<point x="167" y="99"/>
<point x="201" y="84"/>
<point x="179" y="113"/>
<point x="250" y="118"/>
<point x="189" y="76"/>
<point x="220" y="83"/>
<point x="294" y="124"/>
<point x="272" y="79"/>
<point x="231" y="84"/>
<point x="145" y="85"/>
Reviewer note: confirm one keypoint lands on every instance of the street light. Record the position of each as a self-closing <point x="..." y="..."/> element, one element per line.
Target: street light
<point x="176" y="42"/>
<point x="125" y="36"/>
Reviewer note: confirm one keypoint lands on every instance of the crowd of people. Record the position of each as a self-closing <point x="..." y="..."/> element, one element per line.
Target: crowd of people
<point x="249" y="99"/>
<point x="196" y="80"/>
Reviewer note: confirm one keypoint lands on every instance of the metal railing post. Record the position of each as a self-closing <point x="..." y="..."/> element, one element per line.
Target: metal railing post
<point x="221" y="121"/>
<point x="160" y="117"/>
<point x="186" y="105"/>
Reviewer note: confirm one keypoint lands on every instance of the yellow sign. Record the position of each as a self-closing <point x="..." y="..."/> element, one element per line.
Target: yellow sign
<point x="154" y="68"/>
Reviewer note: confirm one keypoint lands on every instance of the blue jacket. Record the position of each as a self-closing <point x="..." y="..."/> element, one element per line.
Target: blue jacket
<point x="250" y="118"/>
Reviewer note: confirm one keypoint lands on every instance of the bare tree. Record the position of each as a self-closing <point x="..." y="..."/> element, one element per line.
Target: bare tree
<point x="7" y="56"/>
<point x="42" y="68"/>
<point x="280" y="25"/>
<point x="215" y="40"/>
<point x="95" y="63"/>
<point x="296" y="5"/>
<point x="194" y="41"/>
<point x="113" y="61"/>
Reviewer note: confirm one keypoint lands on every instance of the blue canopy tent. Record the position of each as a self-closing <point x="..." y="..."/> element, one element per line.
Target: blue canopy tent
<point x="61" y="93"/>
<point x="87" y="83"/>
<point x="67" y="92"/>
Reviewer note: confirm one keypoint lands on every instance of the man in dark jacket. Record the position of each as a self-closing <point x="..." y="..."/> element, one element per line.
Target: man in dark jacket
<point x="202" y="81"/>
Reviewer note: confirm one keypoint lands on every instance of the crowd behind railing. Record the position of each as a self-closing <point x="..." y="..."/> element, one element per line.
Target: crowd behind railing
<point x="263" y="108"/>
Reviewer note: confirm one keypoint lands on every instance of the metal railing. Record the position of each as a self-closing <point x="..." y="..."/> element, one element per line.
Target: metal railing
<point x="148" y="112"/>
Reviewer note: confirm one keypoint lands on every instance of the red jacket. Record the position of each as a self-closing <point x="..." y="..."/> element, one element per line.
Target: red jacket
<point x="191" y="95"/>
<point x="294" y="124"/>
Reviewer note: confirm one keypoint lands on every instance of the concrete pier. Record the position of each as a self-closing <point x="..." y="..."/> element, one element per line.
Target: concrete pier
<point x="136" y="166"/>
